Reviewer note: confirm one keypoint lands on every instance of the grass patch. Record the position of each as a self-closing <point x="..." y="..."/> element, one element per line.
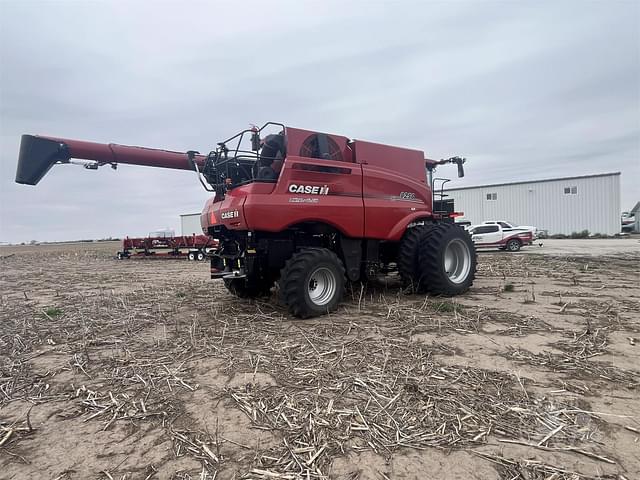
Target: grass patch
<point x="181" y="294"/>
<point x="447" y="307"/>
<point x="52" y="312"/>
<point x="509" y="287"/>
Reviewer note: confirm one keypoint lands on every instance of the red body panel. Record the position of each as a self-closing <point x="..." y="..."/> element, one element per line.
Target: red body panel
<point x="406" y="162"/>
<point x="376" y="193"/>
<point x="273" y="207"/>
<point x="395" y="188"/>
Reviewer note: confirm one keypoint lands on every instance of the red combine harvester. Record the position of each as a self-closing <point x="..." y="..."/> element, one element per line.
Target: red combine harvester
<point x="303" y="209"/>
<point x="194" y="247"/>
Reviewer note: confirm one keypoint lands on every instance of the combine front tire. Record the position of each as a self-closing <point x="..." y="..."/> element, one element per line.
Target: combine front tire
<point x="312" y="282"/>
<point x="408" y="256"/>
<point x="447" y="260"/>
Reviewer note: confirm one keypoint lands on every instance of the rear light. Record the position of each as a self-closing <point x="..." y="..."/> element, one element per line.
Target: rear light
<point x="212" y="218"/>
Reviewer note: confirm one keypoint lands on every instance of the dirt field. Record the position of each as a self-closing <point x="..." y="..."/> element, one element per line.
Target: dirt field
<point x="148" y="370"/>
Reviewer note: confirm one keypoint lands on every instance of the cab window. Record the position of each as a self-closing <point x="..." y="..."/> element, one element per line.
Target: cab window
<point x="485" y="229"/>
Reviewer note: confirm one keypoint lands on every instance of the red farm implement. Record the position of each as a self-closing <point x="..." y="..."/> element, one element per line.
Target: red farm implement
<point x="192" y="247"/>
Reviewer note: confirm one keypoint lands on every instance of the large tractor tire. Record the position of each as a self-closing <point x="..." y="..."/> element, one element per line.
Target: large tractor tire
<point x="247" y="287"/>
<point x="446" y="260"/>
<point x="312" y="282"/>
<point x="408" y="256"/>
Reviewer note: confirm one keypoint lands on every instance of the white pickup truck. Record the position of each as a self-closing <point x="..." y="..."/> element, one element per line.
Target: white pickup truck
<point x="512" y="227"/>
<point x="494" y="235"/>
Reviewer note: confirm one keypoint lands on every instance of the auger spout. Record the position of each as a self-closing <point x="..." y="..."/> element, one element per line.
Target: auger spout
<point x="38" y="154"/>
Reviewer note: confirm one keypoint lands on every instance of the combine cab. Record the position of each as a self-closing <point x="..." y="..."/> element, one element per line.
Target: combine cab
<point x="305" y="210"/>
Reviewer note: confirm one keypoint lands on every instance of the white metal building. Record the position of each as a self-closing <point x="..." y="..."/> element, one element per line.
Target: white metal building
<point x="558" y="205"/>
<point x="190" y="224"/>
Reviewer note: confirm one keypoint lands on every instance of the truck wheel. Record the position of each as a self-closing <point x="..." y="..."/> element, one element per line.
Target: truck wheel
<point x="312" y="282"/>
<point x="191" y="256"/>
<point x="408" y="256"/>
<point x="200" y="256"/>
<point x="447" y="260"/>
<point x="513" y="245"/>
<point x="247" y="287"/>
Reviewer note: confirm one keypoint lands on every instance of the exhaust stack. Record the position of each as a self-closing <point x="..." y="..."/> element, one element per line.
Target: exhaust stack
<point x="38" y="154"/>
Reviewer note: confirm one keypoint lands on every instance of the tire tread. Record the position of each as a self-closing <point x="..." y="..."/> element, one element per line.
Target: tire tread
<point x="293" y="275"/>
<point x="432" y="278"/>
<point x="408" y="256"/>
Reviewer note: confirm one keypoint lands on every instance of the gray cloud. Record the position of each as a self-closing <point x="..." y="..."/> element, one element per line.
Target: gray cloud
<point x="523" y="90"/>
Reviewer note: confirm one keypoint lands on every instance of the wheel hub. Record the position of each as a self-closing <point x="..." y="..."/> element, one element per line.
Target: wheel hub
<point x="322" y="286"/>
<point x="457" y="260"/>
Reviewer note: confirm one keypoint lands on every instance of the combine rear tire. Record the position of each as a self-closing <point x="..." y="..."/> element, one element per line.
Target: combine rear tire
<point x="312" y="282"/>
<point x="447" y="260"/>
<point x="513" y="245"/>
<point x="408" y="256"/>
<point x="247" y="287"/>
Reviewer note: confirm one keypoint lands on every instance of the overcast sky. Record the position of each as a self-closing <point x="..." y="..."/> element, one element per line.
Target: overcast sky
<point x="524" y="90"/>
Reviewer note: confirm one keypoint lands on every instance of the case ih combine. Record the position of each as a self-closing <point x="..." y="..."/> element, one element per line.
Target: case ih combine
<point x="306" y="210"/>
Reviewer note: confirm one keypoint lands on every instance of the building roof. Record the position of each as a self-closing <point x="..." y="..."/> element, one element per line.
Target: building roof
<point x="610" y="174"/>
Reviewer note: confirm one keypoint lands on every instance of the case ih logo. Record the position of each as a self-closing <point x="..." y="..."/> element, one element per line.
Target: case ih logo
<point x="309" y="189"/>
<point x="229" y="214"/>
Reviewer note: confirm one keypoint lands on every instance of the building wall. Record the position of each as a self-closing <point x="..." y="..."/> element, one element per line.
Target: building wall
<point x="190" y="224"/>
<point x="595" y="206"/>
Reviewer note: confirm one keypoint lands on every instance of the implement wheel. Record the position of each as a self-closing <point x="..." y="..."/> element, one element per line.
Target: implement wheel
<point x="408" y="256"/>
<point x="447" y="260"/>
<point x="312" y="282"/>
